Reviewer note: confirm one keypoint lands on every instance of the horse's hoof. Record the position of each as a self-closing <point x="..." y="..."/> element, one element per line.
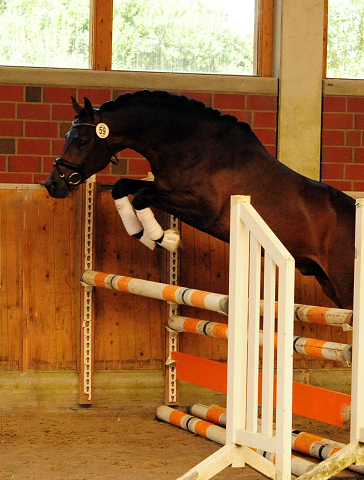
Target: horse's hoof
<point x="171" y="240"/>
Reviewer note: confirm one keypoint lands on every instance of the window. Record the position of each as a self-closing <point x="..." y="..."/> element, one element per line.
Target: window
<point x="345" y="45"/>
<point x="200" y="36"/>
<point x="45" y="33"/>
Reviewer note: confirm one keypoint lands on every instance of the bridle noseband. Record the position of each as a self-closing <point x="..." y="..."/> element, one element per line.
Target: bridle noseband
<point x="78" y="174"/>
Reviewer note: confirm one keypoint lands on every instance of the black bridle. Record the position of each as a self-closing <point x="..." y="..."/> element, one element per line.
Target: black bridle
<point x="78" y="171"/>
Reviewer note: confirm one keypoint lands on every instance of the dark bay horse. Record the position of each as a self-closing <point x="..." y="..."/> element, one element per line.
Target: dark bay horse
<point x="199" y="158"/>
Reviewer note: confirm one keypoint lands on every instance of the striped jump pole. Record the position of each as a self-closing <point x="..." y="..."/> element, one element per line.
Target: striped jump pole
<point x="303" y="442"/>
<point x="306" y="346"/>
<point x="319" y="315"/>
<point x="169" y="293"/>
<point x="218" y="434"/>
<point x="319" y="447"/>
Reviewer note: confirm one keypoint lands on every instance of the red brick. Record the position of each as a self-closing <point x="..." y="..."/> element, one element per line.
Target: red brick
<point x="333" y="137"/>
<point x="354" y="172"/>
<point x="265" y="119"/>
<point x="334" y="171"/>
<point x="11" y="128"/>
<point x="117" y="92"/>
<point x="64" y="127"/>
<point x="40" y="178"/>
<point x="128" y="153"/>
<point x="11" y="93"/>
<point x="41" y="129"/>
<point x="107" y="179"/>
<point x="232" y="101"/>
<point x="272" y="149"/>
<point x="28" y="146"/>
<point x="57" y="147"/>
<point x="139" y="167"/>
<point x="359" y="122"/>
<point x="33" y="111"/>
<point x="339" y="184"/>
<point x="334" y="104"/>
<point x="105" y="171"/>
<point x="355" y="104"/>
<point x="96" y="96"/>
<point x="267" y="136"/>
<point x="359" y="155"/>
<point x="58" y="95"/>
<point x="262" y="102"/>
<point x="203" y="97"/>
<point x="353" y="138"/>
<point x="358" y="186"/>
<point x="338" y="120"/>
<point x="63" y="112"/>
<point x="240" y="115"/>
<point x="24" y="164"/>
<point x="7" y="110"/>
<point x="2" y="163"/>
<point x="121" y="168"/>
<point x="337" y="155"/>
<point x="16" y="178"/>
<point x="48" y="164"/>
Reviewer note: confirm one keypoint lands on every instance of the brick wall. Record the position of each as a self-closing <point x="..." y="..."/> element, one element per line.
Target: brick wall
<point x="343" y="142"/>
<point x="34" y="120"/>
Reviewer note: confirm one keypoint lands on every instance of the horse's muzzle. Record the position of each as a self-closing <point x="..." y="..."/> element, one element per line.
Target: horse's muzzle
<point x="56" y="187"/>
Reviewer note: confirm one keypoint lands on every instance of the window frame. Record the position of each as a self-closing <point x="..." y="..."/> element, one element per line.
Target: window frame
<point x="101" y="19"/>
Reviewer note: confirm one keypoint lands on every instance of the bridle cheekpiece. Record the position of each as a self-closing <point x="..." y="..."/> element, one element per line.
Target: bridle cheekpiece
<point x="78" y="175"/>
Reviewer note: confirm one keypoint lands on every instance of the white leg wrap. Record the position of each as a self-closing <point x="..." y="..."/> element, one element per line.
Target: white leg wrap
<point x="152" y="229"/>
<point x="130" y="220"/>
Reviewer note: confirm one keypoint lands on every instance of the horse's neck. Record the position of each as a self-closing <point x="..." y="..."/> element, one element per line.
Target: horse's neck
<point x="151" y="132"/>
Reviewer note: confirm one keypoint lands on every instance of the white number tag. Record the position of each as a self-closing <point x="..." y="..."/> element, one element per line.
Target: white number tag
<point x="102" y="130"/>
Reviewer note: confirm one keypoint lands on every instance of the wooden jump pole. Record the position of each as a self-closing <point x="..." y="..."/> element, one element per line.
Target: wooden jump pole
<point x="207" y="300"/>
<point x="217" y="434"/>
<point x="303" y="442"/>
<point x="340" y="352"/>
<point x="161" y="291"/>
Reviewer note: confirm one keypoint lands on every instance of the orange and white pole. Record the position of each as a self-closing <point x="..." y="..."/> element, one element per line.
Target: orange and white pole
<point x="318" y="447"/>
<point x="199" y="327"/>
<point x="312" y="347"/>
<point x="218" y="434"/>
<point x="303" y="442"/>
<point x="169" y="293"/>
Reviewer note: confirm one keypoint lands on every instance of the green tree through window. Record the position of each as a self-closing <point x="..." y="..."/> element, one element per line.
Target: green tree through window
<point x="183" y="36"/>
<point x="345" y="46"/>
<point x="45" y="33"/>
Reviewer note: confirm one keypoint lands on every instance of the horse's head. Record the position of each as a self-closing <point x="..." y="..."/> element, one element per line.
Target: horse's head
<point x="85" y="152"/>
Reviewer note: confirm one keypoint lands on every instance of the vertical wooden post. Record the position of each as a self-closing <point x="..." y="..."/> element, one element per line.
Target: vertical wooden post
<point x="101" y="34"/>
<point x="326" y="22"/>
<point x="264" y="29"/>
<point x="87" y="331"/>
<point x="171" y="390"/>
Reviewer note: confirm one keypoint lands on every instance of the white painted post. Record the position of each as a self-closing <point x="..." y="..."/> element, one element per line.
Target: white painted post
<point x="357" y="385"/>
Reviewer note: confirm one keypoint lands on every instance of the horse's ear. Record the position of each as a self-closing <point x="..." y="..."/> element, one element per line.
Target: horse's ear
<point x="76" y="106"/>
<point x="89" y="108"/>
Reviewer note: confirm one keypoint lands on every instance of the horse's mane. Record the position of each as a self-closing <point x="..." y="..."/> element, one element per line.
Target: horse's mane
<point x="178" y="101"/>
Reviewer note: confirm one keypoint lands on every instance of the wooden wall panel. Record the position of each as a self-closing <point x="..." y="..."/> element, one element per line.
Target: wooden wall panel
<point x="39" y="304"/>
<point x="40" y="267"/>
<point x="204" y="265"/>
<point x="129" y="330"/>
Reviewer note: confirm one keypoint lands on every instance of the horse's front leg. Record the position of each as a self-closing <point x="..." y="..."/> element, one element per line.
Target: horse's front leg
<point x="143" y="226"/>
